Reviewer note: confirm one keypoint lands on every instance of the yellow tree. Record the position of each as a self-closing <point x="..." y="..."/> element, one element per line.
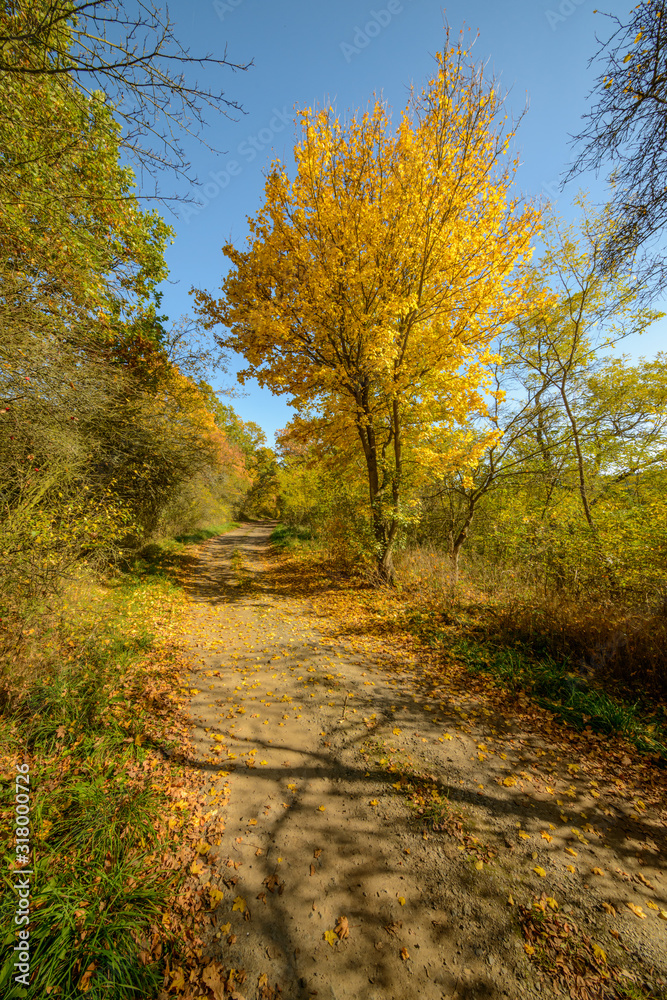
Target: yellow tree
<point x="374" y="280"/>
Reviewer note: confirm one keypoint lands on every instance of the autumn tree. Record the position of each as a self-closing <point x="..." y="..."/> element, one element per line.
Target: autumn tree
<point x="626" y="128"/>
<point x="376" y="278"/>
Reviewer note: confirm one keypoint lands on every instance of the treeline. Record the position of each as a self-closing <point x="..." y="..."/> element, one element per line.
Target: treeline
<point x="558" y="522"/>
<point x="110" y="431"/>
<point x="465" y="412"/>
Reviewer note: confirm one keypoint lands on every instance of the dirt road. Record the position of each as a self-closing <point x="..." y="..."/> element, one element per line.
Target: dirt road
<point x="330" y="884"/>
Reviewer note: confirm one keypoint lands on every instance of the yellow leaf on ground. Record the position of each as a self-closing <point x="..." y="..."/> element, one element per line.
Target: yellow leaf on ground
<point x="405" y="954"/>
<point x="663" y="914"/>
<point x="637" y="910"/>
<point x="401" y="900"/>
<point x="240" y="904"/>
<point x="598" y="871"/>
<point x="529" y="950"/>
<point x="509" y="781"/>
<point x="479" y="865"/>
<point x="546" y="836"/>
<point x="216" y="896"/>
<point x="330" y="937"/>
<point x="177" y="980"/>
<point x="570" y="851"/>
<point x="321" y="808"/>
<point x="599" y="953"/>
<point x="608" y="908"/>
<point x="571" y="868"/>
<point x="652" y="906"/>
<point x="540" y="871"/>
<point x="524" y="836"/>
<point x="396" y="731"/>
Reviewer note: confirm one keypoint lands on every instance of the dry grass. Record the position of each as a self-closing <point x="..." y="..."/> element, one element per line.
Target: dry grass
<point x="620" y="645"/>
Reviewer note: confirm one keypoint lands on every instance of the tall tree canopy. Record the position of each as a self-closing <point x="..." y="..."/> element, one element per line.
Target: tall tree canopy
<point x="375" y="280"/>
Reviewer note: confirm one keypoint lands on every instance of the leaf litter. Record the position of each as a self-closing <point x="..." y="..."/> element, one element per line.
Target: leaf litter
<point x="387" y="745"/>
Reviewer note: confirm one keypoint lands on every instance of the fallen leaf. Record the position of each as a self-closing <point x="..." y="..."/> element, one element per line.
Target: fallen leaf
<point x="599" y="871"/>
<point x="637" y="910"/>
<point x="342" y="928"/>
<point x="312" y="869"/>
<point x="529" y="950"/>
<point x="571" y="868"/>
<point x="213" y="976"/>
<point x="216" y="896"/>
<point x="569" y="850"/>
<point x="401" y="900"/>
<point x="405" y="954"/>
<point x="330" y="937"/>
<point x="240" y="904"/>
<point x="321" y="808"/>
<point x="546" y="836"/>
<point x="609" y="909"/>
<point x="177" y="980"/>
<point x="540" y="871"/>
<point x="509" y="781"/>
<point x="599" y="953"/>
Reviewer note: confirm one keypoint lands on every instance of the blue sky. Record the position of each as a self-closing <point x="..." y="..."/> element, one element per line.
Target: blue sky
<point x="310" y="53"/>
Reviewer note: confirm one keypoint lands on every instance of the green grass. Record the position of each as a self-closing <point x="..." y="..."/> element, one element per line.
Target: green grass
<point x="553" y="684"/>
<point x="87" y="728"/>
<point x="203" y="534"/>
<point x="286" y="537"/>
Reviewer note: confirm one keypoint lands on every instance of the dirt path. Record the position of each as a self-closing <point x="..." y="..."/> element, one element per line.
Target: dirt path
<point x="330" y="886"/>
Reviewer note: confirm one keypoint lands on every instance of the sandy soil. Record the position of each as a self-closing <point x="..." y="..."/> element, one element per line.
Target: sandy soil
<point x="331" y="885"/>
